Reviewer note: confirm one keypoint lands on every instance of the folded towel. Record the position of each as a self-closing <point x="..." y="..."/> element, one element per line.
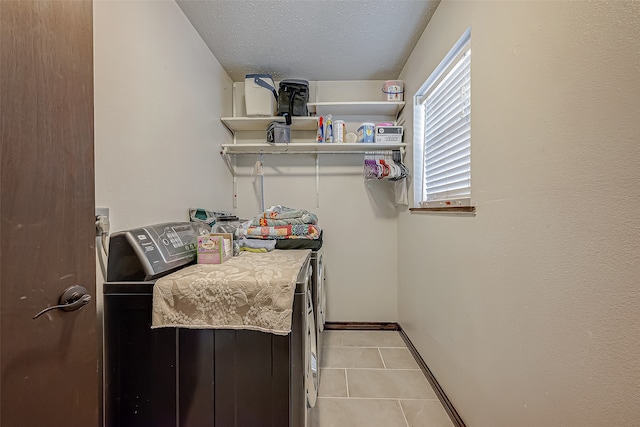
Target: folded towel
<point x="300" y="231"/>
<point x="268" y="245"/>
<point x="255" y="250"/>
<point x="281" y="215"/>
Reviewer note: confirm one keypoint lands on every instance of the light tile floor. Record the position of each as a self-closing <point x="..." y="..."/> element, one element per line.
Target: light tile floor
<point x="369" y="378"/>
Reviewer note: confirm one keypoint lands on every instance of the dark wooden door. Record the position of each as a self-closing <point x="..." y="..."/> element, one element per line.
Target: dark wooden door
<point x="48" y="366"/>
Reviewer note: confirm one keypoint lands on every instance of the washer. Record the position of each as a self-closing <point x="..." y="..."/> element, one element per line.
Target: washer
<point x="318" y="294"/>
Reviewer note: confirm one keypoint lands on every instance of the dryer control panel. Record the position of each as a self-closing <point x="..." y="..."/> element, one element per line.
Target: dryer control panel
<point x="152" y="251"/>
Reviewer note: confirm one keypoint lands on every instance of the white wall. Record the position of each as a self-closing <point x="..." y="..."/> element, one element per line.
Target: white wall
<point x="159" y="96"/>
<point x="359" y="223"/>
<point x="527" y="313"/>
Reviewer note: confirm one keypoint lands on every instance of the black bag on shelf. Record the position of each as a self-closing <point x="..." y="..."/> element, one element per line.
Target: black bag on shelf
<point x="293" y="95"/>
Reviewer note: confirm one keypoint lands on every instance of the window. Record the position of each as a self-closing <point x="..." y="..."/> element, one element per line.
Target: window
<point x="442" y="132"/>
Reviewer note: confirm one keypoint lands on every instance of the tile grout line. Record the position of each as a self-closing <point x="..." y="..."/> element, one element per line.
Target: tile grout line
<point x="346" y="381"/>
<point x="399" y="403"/>
<point x="403" y="414"/>
<point x="384" y="365"/>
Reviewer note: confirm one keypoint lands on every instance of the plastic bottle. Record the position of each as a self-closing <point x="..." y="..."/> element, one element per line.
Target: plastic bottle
<point x="339" y="131"/>
<point x="328" y="128"/>
<point x="320" y="137"/>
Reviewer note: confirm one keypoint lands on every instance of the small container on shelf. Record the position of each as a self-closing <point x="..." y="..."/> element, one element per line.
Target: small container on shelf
<point x="328" y="128"/>
<point x="283" y="134"/>
<point x="389" y="134"/>
<point x="260" y="95"/>
<point x="279" y="133"/>
<point x="394" y="90"/>
<point x="339" y="131"/>
<point x="320" y="134"/>
<point x="365" y="132"/>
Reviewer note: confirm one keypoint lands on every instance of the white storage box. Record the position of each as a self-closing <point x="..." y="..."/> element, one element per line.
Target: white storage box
<point x="260" y="95"/>
<point x="389" y="134"/>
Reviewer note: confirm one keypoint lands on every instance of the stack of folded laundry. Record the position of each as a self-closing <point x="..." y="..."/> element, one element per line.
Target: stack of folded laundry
<point x="276" y="224"/>
<point x="256" y="245"/>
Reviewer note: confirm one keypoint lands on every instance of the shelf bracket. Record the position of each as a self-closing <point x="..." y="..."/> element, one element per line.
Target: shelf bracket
<point x="227" y="160"/>
<point x="230" y="161"/>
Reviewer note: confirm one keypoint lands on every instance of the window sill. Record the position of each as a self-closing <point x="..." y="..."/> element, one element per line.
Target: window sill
<point x="445" y="209"/>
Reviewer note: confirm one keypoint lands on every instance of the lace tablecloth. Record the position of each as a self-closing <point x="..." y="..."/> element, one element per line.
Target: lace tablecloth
<point x="250" y="291"/>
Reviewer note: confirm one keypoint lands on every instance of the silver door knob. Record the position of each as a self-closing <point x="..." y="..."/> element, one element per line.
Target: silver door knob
<point x="72" y="298"/>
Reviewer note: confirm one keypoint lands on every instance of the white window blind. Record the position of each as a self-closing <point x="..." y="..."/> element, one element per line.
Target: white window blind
<point x="442" y="111"/>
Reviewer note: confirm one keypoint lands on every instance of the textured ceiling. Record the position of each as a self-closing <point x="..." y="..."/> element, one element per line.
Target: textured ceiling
<point x="312" y="40"/>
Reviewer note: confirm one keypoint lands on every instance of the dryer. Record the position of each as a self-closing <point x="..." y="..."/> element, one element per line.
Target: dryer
<point x="205" y="377"/>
